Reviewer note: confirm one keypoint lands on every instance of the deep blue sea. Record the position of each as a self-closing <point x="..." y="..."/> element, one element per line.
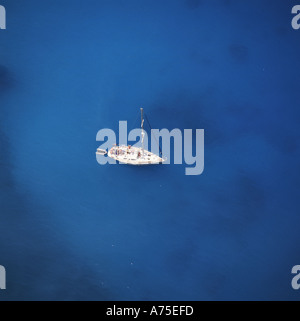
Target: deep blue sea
<point x="71" y="229"/>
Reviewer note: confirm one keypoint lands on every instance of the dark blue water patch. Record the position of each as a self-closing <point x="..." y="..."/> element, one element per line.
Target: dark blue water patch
<point x="213" y="281"/>
<point x="175" y="109"/>
<point x="193" y="4"/>
<point x="239" y="52"/>
<point x="36" y="262"/>
<point x="4" y="161"/>
<point x="6" y="79"/>
<point x="289" y="144"/>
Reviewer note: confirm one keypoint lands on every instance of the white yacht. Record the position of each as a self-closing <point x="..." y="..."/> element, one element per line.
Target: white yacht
<point x="133" y="155"/>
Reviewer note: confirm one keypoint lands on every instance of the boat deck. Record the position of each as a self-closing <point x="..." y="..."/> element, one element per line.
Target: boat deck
<point x="134" y="155"/>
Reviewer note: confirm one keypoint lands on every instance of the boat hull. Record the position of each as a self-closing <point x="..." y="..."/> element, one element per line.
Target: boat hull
<point x="134" y="156"/>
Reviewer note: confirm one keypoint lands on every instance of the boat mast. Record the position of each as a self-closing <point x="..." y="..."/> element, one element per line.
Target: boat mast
<point x="142" y="127"/>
